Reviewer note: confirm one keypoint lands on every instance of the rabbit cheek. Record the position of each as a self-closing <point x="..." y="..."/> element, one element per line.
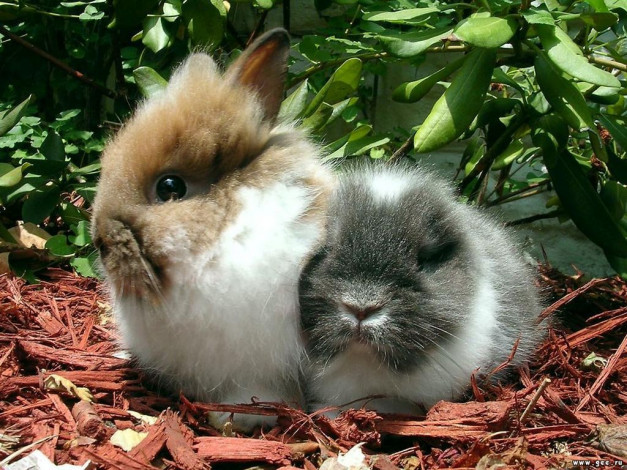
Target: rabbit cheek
<point x="130" y="269"/>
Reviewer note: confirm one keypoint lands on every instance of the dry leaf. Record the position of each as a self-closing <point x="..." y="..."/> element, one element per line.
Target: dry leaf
<point x="611" y="438"/>
<point x="58" y="383"/>
<point x="127" y="439"/>
<point x="354" y="459"/>
<point x="491" y="462"/>
<point x="145" y="419"/>
<point x="29" y="235"/>
<point x="4" y="263"/>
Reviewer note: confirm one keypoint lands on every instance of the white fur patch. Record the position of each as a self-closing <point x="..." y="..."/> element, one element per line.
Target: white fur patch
<point x="388" y="186"/>
<point x="229" y="329"/>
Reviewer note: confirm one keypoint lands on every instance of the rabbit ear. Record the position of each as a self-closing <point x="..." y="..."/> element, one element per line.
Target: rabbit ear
<point x="262" y="68"/>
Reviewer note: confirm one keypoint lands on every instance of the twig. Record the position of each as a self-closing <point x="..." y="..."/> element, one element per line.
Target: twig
<point x="511" y="194"/>
<point x="567" y="298"/>
<point x="403" y="150"/>
<point x="533" y="218"/>
<point x="545" y="383"/>
<point x="258" y="27"/>
<point x="372" y="56"/>
<point x="26" y="449"/>
<point x="57" y="63"/>
<point x="604" y="375"/>
<point x="608" y="63"/>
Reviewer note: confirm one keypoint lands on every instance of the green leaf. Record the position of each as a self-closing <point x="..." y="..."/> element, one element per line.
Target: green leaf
<point x="455" y="110"/>
<point x="413" y="91"/>
<point x="172" y="10"/>
<point x="577" y="196"/>
<point x="616" y="4"/>
<point x="58" y="246"/>
<point x="408" y="16"/>
<point x="294" y="105"/>
<point x="562" y="94"/>
<point x="40" y="204"/>
<point x="86" y="266"/>
<point x="156" y="37"/>
<point x="599" y="94"/>
<point x="342" y="83"/>
<point x="205" y="21"/>
<point x="537" y="16"/>
<point x="71" y="214"/>
<point x="91" y="169"/>
<point x="338" y="108"/>
<point x="567" y="56"/>
<point x="494" y="109"/>
<point x="356" y="143"/>
<point x="12" y="117"/>
<point x="600" y="20"/>
<point x="614" y="196"/>
<point x="53" y="148"/>
<point x="498" y="76"/>
<point x="486" y="32"/>
<point x="319" y="118"/>
<point x="265" y="4"/>
<point x="357" y="133"/>
<point x="10" y="176"/>
<point x="149" y="81"/>
<point x="598" y="5"/>
<point x="83" y="236"/>
<point x="413" y="43"/>
<point x="511" y="153"/>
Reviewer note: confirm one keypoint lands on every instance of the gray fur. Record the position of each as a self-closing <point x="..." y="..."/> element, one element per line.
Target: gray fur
<point x="418" y="257"/>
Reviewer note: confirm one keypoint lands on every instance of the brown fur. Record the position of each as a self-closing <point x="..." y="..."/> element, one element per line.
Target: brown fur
<point x="216" y="133"/>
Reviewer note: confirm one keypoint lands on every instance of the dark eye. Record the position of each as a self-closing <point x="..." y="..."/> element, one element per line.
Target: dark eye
<point x="170" y="188"/>
<point x="434" y="255"/>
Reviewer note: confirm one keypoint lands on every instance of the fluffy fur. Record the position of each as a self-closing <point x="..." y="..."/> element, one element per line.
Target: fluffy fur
<point x="204" y="288"/>
<point x="411" y="292"/>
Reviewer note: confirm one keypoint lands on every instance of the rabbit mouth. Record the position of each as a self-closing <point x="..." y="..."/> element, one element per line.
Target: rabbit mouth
<point x="130" y="270"/>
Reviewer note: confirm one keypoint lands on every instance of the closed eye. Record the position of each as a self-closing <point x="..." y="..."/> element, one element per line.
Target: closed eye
<point x="434" y="255"/>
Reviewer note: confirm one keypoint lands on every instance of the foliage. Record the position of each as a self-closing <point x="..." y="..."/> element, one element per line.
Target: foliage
<point x="533" y="88"/>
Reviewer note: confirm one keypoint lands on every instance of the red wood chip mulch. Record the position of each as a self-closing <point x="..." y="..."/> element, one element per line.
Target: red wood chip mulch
<point x="569" y="405"/>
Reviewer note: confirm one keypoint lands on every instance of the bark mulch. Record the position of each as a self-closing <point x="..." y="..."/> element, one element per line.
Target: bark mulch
<point x="58" y="345"/>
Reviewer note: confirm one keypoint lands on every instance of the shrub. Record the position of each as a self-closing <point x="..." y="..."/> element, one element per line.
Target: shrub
<point x="531" y="87"/>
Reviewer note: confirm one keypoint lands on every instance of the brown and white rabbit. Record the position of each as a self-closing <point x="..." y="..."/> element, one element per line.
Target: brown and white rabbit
<point x="205" y="212"/>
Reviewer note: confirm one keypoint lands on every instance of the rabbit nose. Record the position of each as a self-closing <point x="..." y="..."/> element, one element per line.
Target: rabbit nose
<point x="361" y="312"/>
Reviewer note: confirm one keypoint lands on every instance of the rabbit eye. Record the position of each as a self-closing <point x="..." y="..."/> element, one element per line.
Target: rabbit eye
<point x="171" y="188"/>
<point x="436" y="254"/>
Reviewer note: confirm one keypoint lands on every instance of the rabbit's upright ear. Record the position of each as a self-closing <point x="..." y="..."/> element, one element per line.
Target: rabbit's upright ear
<point x="262" y="68"/>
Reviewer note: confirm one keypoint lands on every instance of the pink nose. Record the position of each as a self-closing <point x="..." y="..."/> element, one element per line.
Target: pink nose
<point x="361" y="312"/>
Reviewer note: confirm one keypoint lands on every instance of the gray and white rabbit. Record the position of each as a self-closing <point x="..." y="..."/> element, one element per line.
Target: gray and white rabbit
<point x="411" y="293"/>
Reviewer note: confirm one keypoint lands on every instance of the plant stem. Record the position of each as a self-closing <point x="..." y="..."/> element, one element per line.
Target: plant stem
<point x="48" y="13"/>
<point x="533" y="218"/>
<point x="366" y="57"/>
<point x="258" y="27"/>
<point x="608" y="63"/>
<point x="488" y="158"/>
<point x="510" y="195"/>
<point x="56" y="62"/>
<point x="403" y="150"/>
